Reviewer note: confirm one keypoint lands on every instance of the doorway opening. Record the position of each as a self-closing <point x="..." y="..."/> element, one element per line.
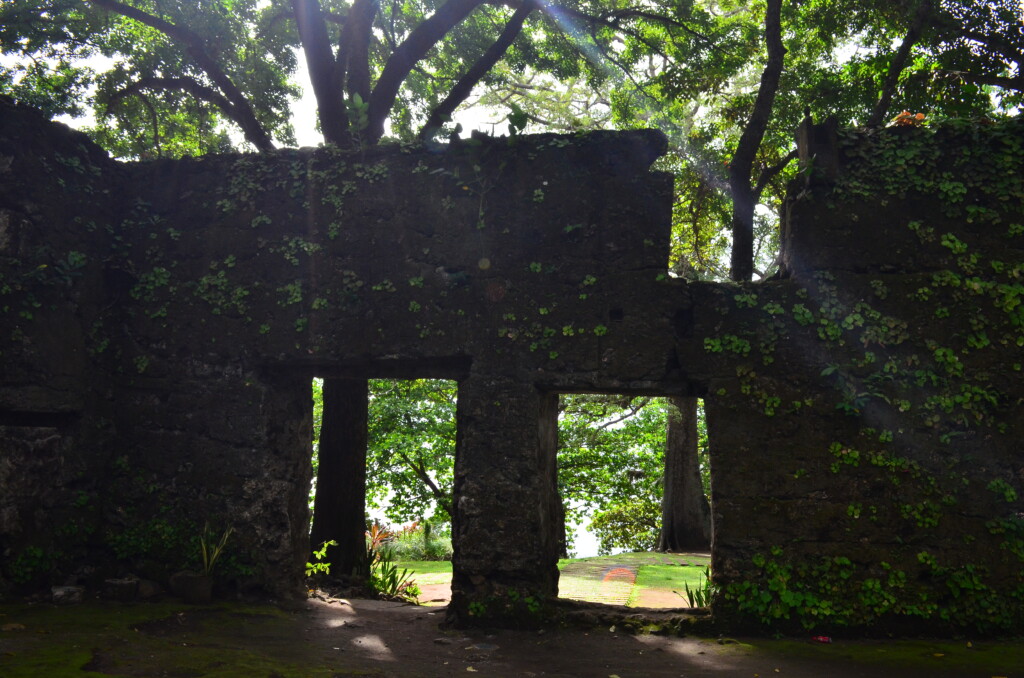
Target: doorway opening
<point x="383" y="457"/>
<point x="634" y="477"/>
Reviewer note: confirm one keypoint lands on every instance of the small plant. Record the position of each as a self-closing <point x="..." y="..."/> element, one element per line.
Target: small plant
<point x="210" y="551"/>
<point x="320" y="567"/>
<point x="701" y="595"/>
<point x="385" y="577"/>
<point x="390" y="582"/>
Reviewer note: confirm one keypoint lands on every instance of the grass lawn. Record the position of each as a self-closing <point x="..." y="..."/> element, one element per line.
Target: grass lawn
<point x="667" y="571"/>
<point x="428" y="572"/>
<point x="669" y="577"/>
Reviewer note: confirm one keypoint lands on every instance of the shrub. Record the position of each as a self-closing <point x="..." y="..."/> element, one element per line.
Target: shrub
<point x="419" y="541"/>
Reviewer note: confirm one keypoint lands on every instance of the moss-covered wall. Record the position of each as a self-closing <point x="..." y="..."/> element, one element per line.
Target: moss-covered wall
<point x="865" y="410"/>
<point x="159" y="340"/>
<point x="160" y="323"/>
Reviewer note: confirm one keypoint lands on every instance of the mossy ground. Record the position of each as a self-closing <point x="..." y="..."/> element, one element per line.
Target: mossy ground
<point x="98" y="639"/>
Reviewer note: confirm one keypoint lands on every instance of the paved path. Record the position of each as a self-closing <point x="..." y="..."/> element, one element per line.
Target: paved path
<point x="610" y="580"/>
<point x="597" y="582"/>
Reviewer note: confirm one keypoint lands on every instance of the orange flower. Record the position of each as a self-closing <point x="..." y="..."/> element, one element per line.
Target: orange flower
<point x="906" y="118"/>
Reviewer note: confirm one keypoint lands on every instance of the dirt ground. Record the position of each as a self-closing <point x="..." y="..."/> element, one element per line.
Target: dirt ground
<point x="405" y="641"/>
<point x="336" y="637"/>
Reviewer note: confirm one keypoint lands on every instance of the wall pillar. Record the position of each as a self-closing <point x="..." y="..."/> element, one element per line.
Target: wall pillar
<point x="506" y="507"/>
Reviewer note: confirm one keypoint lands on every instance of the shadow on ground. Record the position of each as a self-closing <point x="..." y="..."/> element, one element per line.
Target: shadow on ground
<point x="333" y="637"/>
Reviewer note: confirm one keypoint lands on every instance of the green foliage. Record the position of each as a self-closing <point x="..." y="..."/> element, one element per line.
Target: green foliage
<point x="33" y="565"/>
<point x="834" y="592"/>
<point x="702" y="594"/>
<point x="385" y="577"/>
<point x="517" y="119"/>
<point x="611" y="462"/>
<point x="420" y="542"/>
<point x="913" y="364"/>
<point x="147" y="82"/>
<point x="510" y="606"/>
<point x="162" y="539"/>
<point x="211" y="548"/>
<point x="411" y="456"/>
<point x="320" y="567"/>
<point x="630" y="525"/>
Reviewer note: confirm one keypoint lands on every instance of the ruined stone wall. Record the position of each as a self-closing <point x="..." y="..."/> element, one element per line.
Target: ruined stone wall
<point x="865" y="410"/>
<point x="205" y="294"/>
<point x="161" y="322"/>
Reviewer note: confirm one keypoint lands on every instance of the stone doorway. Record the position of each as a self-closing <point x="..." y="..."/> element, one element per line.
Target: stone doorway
<point x="625" y="450"/>
<point x="341" y="442"/>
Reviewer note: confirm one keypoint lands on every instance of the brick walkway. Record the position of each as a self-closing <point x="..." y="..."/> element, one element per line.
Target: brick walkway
<point x="597" y="582"/>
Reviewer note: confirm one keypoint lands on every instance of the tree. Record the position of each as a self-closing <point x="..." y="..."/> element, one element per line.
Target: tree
<point x="685" y="512"/>
<point x="369" y="62"/>
<point x="610" y="466"/>
<point x="411" y="459"/>
<point x="409" y="448"/>
<point x="339" y="505"/>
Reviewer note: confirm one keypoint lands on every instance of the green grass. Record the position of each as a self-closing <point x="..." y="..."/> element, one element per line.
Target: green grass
<point x="428" y="572"/>
<point x="671" y="577"/>
<point x="644" y="558"/>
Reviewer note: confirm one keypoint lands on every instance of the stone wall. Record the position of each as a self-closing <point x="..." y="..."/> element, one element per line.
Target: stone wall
<point x="864" y="411"/>
<point x="160" y="323"/>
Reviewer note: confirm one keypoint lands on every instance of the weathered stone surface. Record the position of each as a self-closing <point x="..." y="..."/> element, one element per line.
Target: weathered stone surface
<point x="160" y="324"/>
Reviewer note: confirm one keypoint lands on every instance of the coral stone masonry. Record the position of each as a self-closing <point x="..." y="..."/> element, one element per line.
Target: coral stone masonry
<point x="160" y="323"/>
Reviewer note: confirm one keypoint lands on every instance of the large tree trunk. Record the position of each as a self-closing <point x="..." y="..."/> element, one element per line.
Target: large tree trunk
<point x="554" y="514"/>
<point x="323" y="72"/>
<point x="339" y="510"/>
<point x="685" y="513"/>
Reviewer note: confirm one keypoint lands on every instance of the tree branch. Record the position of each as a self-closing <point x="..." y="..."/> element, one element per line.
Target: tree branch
<point x="323" y="71"/>
<point x="440" y="497"/>
<point x="633" y="409"/>
<point x="414" y="48"/>
<point x="994" y="42"/>
<point x="478" y="70"/>
<point x="155" y="121"/>
<point x="1005" y="82"/>
<point x="602" y="21"/>
<point x="633" y="13"/>
<point x="196" y="48"/>
<point x="899" y="62"/>
<point x="771" y="172"/>
<point x="354" y="50"/>
<point x="742" y="263"/>
<point x="190" y="85"/>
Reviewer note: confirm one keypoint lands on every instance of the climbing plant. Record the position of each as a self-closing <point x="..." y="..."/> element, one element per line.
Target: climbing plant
<point x="922" y="366"/>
